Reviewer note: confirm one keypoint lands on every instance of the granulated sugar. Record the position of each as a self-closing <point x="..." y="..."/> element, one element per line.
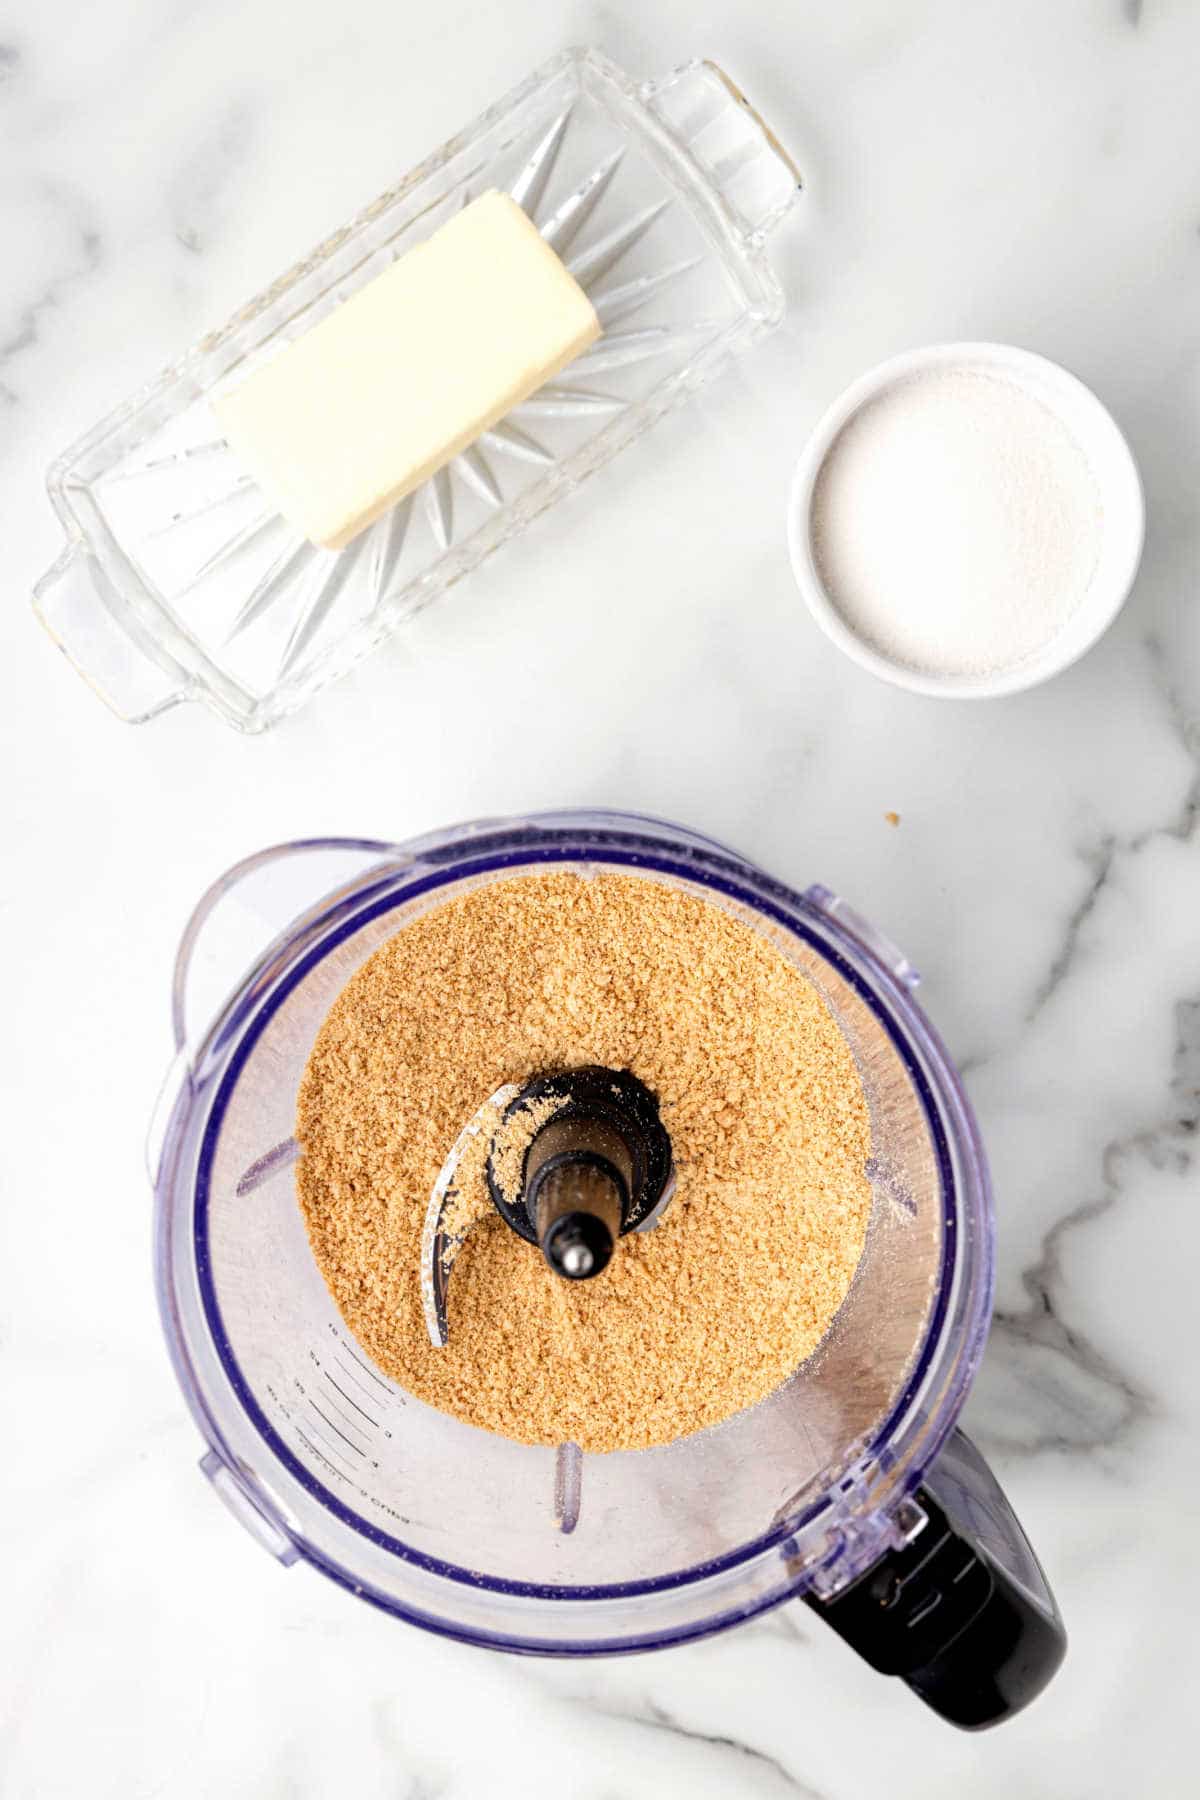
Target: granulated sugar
<point x="956" y="523"/>
<point x="691" y="1322"/>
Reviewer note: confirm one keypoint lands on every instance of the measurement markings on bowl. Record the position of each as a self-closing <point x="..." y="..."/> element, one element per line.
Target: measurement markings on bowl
<point x="351" y="1401"/>
<point x="346" y="1408"/>
<point x="344" y="1411"/>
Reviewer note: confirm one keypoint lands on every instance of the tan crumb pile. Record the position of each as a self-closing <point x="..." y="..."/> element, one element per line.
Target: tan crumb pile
<point x="467" y="1198"/>
<point x="511" y="1139"/>
<point x="692" y="1321"/>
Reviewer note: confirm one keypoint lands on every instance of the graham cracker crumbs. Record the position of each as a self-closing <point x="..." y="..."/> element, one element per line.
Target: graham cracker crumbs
<point x="693" y="1321"/>
<point x="467" y="1197"/>
<point x="512" y="1140"/>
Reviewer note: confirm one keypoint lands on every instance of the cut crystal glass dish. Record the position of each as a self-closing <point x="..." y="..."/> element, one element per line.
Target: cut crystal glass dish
<point x="179" y="580"/>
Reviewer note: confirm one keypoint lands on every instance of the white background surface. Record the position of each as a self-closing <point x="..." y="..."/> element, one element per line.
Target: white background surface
<point x="1022" y="171"/>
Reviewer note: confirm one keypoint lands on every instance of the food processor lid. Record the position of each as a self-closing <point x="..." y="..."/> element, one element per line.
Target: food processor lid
<point x="904" y="1512"/>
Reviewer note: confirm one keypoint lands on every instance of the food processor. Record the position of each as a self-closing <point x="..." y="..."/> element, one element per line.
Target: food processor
<point x="849" y="1487"/>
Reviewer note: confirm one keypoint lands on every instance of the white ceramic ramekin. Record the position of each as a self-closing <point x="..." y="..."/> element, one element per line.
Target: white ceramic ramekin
<point x="1115" y="472"/>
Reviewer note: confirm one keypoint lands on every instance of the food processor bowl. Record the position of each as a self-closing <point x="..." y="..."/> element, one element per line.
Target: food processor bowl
<point x="846" y="1486"/>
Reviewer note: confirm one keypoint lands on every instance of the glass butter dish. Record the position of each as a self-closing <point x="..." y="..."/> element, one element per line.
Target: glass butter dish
<point x="180" y="581"/>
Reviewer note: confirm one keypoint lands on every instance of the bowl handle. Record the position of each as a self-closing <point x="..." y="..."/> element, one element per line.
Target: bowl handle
<point x="101" y="638"/>
<point x="961" y="1611"/>
<point x="252" y="903"/>
<point x="244" y="911"/>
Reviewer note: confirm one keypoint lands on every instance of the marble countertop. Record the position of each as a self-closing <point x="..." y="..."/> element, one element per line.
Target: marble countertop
<point x="1016" y="171"/>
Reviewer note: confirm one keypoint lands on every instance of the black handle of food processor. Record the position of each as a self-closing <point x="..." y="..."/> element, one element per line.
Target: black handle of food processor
<point x="962" y="1612"/>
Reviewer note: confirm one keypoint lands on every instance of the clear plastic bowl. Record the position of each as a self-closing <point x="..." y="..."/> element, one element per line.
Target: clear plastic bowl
<point x="451" y="1527"/>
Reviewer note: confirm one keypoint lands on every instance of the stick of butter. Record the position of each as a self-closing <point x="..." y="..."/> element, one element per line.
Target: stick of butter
<point x="406" y="373"/>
